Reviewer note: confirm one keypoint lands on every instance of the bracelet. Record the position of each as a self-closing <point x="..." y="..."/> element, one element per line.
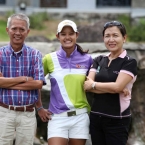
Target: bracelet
<point x="39" y="108"/>
<point x="93" y="85"/>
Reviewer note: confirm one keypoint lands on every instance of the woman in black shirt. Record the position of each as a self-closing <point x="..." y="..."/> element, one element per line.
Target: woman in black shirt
<point x="110" y="116"/>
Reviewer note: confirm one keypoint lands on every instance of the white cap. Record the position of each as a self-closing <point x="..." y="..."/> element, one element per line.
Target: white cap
<point x="66" y="23"/>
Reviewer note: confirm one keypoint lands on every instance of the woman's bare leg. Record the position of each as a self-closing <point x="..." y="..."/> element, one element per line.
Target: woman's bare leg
<point x="57" y="141"/>
<point x="76" y="141"/>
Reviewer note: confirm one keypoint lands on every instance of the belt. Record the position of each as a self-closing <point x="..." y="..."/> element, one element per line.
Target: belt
<point x="72" y="112"/>
<point x="29" y="108"/>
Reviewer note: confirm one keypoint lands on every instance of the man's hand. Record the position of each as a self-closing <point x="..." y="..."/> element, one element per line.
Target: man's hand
<point x="44" y="114"/>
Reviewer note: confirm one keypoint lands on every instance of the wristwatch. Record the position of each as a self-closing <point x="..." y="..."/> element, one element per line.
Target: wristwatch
<point x="93" y="85"/>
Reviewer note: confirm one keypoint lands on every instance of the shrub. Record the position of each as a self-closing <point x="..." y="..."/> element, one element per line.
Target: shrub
<point x="125" y="19"/>
<point x="135" y="32"/>
<point x="37" y="19"/>
<point x="9" y="13"/>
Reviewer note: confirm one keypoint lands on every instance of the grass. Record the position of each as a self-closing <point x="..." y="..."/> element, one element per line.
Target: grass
<point x="3" y="33"/>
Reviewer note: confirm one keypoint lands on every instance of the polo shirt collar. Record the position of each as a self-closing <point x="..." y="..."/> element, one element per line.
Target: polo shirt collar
<point x="122" y="55"/>
<point x="11" y="51"/>
<point x="63" y="53"/>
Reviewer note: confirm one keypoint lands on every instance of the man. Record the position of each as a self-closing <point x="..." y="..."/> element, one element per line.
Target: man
<point x="21" y="78"/>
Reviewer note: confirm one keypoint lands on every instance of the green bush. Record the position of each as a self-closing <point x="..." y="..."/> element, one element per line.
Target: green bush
<point x="9" y="13"/>
<point x="125" y="19"/>
<point x="37" y="19"/>
<point x="136" y="32"/>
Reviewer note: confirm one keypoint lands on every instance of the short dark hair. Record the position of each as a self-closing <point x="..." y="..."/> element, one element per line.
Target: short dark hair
<point x="118" y="24"/>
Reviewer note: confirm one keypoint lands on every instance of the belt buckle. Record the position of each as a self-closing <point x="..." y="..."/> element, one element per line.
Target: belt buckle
<point x="72" y="113"/>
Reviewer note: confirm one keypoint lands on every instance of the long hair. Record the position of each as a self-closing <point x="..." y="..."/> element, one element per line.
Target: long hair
<point x="79" y="49"/>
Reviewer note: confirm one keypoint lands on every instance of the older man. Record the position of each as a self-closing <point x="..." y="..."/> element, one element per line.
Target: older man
<point x="21" y="79"/>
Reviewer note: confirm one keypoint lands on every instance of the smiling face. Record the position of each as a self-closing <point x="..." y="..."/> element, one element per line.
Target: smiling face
<point x="113" y="39"/>
<point x="17" y="32"/>
<point x="67" y="38"/>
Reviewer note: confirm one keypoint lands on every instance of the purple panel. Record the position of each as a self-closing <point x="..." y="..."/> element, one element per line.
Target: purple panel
<point x="76" y="60"/>
<point x="57" y="104"/>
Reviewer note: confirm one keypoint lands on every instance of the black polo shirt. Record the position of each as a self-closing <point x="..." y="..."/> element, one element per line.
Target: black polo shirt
<point x="107" y="104"/>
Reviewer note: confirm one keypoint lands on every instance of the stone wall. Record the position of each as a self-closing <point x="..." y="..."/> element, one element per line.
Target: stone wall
<point x="136" y="50"/>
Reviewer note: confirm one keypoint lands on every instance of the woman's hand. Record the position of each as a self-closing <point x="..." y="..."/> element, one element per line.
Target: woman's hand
<point x="126" y="92"/>
<point x="88" y="84"/>
<point x="44" y="114"/>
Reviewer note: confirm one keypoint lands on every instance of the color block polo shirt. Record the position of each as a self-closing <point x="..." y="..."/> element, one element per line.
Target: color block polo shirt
<point x="107" y="104"/>
<point x="67" y="76"/>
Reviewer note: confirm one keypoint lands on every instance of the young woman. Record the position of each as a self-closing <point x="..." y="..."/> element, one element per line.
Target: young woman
<point x="110" y="116"/>
<point x="67" y="69"/>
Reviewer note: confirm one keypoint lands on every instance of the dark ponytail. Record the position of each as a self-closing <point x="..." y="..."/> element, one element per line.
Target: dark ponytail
<point x="79" y="49"/>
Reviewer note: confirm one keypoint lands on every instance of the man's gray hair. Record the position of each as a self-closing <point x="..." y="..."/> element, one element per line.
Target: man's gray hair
<point x="19" y="16"/>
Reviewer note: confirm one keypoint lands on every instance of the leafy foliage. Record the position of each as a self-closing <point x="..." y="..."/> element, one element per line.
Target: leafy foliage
<point x="135" y="31"/>
<point x="37" y="19"/>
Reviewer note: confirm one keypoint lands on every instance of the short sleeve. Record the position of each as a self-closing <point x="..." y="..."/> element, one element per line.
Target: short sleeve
<point x="38" y="68"/>
<point x="130" y="67"/>
<point x="45" y="66"/>
<point x="48" y="64"/>
<point x="96" y="61"/>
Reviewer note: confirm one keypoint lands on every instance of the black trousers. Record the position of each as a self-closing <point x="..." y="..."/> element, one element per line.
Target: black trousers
<point x="109" y="131"/>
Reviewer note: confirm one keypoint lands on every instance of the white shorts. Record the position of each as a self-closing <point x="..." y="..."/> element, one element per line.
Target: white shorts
<point x="76" y="127"/>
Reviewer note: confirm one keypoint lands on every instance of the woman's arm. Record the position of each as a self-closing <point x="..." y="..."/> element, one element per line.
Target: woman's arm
<point x="111" y="87"/>
<point x="44" y="114"/>
<point x="91" y="75"/>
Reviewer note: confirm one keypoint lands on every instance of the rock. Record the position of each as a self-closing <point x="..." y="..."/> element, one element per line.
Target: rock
<point x="37" y="39"/>
<point x="91" y="33"/>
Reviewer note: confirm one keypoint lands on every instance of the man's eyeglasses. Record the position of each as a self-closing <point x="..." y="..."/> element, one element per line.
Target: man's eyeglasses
<point x="112" y="23"/>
